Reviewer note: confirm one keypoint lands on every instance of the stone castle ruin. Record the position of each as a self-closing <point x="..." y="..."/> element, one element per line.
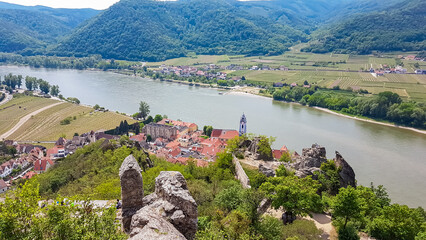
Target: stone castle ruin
<point x="168" y="213"/>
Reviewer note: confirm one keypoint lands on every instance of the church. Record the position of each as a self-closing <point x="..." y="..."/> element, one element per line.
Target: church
<point x="243" y="125"/>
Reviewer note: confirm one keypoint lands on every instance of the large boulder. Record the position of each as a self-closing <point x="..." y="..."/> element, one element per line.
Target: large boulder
<point x="253" y="150"/>
<point x="347" y="174"/>
<point x="131" y="190"/>
<point x="311" y="158"/>
<point x="269" y="172"/>
<point x="171" y="187"/>
<point x="149" y="223"/>
<point x="168" y="213"/>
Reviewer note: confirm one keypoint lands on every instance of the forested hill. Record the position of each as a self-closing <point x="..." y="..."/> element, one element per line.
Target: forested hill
<point x="154" y="30"/>
<point x="398" y="28"/>
<point x="32" y="28"/>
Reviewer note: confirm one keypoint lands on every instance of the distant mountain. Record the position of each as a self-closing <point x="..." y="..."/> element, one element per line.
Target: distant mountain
<point x="155" y="30"/>
<point x="25" y="28"/>
<point x="401" y="27"/>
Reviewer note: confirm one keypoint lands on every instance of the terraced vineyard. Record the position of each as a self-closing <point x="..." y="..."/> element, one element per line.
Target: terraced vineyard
<point x="46" y="126"/>
<point x="11" y="112"/>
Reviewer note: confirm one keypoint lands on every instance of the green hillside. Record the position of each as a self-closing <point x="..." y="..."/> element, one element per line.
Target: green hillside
<point x="150" y="30"/>
<point x="398" y="28"/>
<point x="24" y="29"/>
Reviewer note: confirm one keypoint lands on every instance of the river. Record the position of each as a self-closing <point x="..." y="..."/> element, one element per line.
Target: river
<point x="395" y="158"/>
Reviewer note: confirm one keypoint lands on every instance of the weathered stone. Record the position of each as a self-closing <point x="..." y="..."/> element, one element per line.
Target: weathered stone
<point x="241" y="174"/>
<point x="256" y="154"/>
<point x="347" y="174"/>
<point x="131" y="190"/>
<point x="148" y="223"/>
<point x="171" y="187"/>
<point x="266" y="171"/>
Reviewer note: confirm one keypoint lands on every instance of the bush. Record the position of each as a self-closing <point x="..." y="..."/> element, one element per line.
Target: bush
<point x="66" y="121"/>
<point x="302" y="229"/>
<point x="348" y="233"/>
<point x="271" y="228"/>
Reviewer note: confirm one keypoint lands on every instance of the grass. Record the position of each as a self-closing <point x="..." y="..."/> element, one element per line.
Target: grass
<point x="46" y="126"/>
<point x="18" y="107"/>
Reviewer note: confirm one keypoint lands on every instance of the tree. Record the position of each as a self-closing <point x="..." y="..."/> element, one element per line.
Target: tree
<point x="398" y="222"/>
<point x="19" y="82"/>
<point x="346" y="205"/>
<point x="298" y="196"/>
<point x="143" y="109"/>
<point x="44" y="86"/>
<point x="54" y="90"/>
<point x="158" y="118"/>
<point x="207" y="130"/>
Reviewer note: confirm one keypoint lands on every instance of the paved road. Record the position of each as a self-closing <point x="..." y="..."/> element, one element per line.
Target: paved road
<point x="7" y="98"/>
<point x="25" y="119"/>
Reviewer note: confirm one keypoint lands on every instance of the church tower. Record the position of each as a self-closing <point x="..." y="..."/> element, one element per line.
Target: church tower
<point x="243" y="125"/>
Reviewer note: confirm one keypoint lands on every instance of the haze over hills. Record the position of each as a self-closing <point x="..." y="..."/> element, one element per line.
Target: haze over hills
<point x="29" y="28"/>
<point x="157" y="30"/>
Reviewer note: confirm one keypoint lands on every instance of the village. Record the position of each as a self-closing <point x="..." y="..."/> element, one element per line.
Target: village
<point x="175" y="141"/>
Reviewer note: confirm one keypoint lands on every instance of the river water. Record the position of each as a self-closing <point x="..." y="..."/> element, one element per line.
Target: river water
<point x="395" y="158"/>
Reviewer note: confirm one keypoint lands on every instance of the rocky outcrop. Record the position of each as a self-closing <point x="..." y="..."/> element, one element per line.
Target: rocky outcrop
<point x="347" y="174"/>
<point x="310" y="161"/>
<point x="268" y="172"/>
<point x="168" y="213"/>
<point x="254" y="153"/>
<point x="131" y="190"/>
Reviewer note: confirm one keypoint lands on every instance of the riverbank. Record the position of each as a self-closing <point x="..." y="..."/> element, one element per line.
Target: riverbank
<point x="252" y="91"/>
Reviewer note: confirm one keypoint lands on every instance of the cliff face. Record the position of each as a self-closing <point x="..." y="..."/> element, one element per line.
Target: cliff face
<point x="168" y="213"/>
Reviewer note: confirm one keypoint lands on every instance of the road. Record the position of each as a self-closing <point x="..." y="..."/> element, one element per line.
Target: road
<point x="25" y="119"/>
<point x="6" y="99"/>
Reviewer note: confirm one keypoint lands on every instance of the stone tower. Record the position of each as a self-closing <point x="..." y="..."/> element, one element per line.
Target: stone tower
<point x="243" y="125"/>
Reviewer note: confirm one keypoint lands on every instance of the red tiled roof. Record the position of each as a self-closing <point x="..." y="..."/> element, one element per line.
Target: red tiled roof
<point x="277" y="154"/>
<point x="139" y="138"/>
<point x="2" y="184"/>
<point x="176" y="151"/>
<point x="29" y="175"/>
<point x="229" y="135"/>
<point x="40" y="165"/>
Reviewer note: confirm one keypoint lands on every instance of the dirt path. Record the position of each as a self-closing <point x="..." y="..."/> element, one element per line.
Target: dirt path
<point x="7" y="98"/>
<point x="25" y="119"/>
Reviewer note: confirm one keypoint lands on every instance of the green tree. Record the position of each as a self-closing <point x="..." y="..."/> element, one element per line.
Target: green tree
<point x="158" y="118"/>
<point x="298" y="196"/>
<point x="346" y="205"/>
<point x="398" y="222"/>
<point x="54" y="90"/>
<point x="143" y="109"/>
<point x="44" y="86"/>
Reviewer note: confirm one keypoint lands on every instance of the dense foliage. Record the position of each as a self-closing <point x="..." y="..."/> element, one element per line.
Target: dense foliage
<point x="386" y="105"/>
<point x="139" y="30"/>
<point x="21" y="217"/>
<point x="398" y="28"/>
<point x="28" y="29"/>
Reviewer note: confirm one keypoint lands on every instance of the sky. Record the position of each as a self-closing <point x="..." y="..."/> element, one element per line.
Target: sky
<point x="96" y="4"/>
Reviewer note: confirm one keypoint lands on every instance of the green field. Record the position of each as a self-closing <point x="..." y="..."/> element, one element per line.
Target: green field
<point x="46" y="126"/>
<point x="315" y="68"/>
<point x="11" y="112"/>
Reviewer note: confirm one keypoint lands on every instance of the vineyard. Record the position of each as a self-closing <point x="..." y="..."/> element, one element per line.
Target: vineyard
<point x="11" y="112"/>
<point x="47" y="126"/>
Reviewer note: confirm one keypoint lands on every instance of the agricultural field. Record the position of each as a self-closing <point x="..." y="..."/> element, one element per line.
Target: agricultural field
<point x="11" y="112"/>
<point x="46" y="126"/>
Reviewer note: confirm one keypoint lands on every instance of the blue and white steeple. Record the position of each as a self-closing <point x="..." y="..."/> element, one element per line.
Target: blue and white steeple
<point x="243" y="125"/>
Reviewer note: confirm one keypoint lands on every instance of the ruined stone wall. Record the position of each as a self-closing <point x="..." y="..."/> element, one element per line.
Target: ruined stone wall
<point x="241" y="174"/>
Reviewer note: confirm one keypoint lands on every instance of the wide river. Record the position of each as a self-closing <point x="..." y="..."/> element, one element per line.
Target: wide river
<point x="395" y="158"/>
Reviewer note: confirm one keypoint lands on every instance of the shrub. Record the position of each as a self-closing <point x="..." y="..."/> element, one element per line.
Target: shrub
<point x="271" y="228"/>
<point x="348" y="233"/>
<point x="302" y="229"/>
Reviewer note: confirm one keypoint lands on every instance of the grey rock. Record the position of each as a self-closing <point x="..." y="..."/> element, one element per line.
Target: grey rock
<point x="347" y="174"/>
<point x="253" y="148"/>
<point x="131" y="190"/>
<point x="171" y="187"/>
<point x="148" y="223"/>
<point x="266" y="171"/>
